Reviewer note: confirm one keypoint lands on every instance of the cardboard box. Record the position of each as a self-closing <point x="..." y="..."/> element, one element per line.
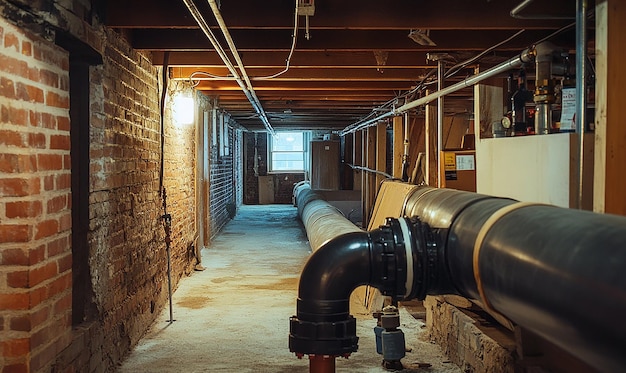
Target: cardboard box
<point x="459" y="170"/>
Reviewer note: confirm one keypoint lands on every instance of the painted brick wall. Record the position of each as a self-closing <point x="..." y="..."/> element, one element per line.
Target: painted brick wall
<point x="223" y="170"/>
<point x="35" y="216"/>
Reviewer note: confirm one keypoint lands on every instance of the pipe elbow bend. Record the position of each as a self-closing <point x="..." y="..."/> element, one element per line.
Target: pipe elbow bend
<point x="331" y="274"/>
<point x="323" y="325"/>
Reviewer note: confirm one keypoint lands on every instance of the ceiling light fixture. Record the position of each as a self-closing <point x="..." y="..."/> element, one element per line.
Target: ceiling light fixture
<point x="421" y="37"/>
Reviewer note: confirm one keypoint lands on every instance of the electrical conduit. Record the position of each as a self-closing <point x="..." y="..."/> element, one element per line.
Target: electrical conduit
<point x="246" y="86"/>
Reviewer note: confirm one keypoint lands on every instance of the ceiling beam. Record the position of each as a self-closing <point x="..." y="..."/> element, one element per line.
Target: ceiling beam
<point x="334" y="40"/>
<point x="339" y="15"/>
<point x="303" y="59"/>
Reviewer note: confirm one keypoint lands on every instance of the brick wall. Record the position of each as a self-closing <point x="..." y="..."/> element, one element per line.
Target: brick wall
<point x="223" y="173"/>
<point x="126" y="262"/>
<point x="35" y="216"/>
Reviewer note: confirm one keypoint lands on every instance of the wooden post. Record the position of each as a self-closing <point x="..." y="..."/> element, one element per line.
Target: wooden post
<point x="364" y="184"/>
<point x="431" y="145"/>
<point x="381" y="152"/>
<point x="370" y="177"/>
<point x="398" y="145"/>
<point x="610" y="133"/>
<point x="357" y="158"/>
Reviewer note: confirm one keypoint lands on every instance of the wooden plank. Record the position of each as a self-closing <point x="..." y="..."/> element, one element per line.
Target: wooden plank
<point x="371" y="164"/>
<point x="431" y="145"/>
<point x="381" y="151"/>
<point x="398" y="145"/>
<point x="357" y="159"/>
<point x="610" y="143"/>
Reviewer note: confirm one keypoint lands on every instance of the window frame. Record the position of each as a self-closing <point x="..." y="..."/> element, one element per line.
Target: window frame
<point x="306" y="137"/>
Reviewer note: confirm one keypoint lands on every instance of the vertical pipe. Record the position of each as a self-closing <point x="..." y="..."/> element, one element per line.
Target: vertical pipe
<point x="321" y="364"/>
<point x="581" y="91"/>
<point x="440" y="84"/>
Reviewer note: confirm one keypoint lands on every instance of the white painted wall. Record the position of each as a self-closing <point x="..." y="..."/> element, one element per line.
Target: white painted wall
<point x="526" y="168"/>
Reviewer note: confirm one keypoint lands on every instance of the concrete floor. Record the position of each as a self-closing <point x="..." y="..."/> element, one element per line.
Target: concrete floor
<point x="234" y="316"/>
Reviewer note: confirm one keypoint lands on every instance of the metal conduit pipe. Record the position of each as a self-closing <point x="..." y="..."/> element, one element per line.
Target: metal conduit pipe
<point x="246" y="87"/>
<point x="525" y="57"/>
<point x="556" y="272"/>
<point x="250" y="93"/>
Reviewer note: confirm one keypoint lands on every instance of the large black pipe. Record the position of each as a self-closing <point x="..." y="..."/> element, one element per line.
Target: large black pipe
<point x="554" y="271"/>
<point x="557" y="272"/>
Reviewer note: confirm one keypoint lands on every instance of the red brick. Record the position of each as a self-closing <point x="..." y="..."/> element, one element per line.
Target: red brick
<point x="38" y="295"/>
<point x="16" y="368"/>
<point x="17" y="301"/>
<point x="63" y="123"/>
<point x="29" y="93"/>
<point x="16" y="347"/>
<point x="18" y="116"/>
<point x="58" y="246"/>
<point x="61" y="284"/>
<point x="1" y="323"/>
<point x="48" y="121"/>
<point x="60" y="142"/>
<point x="18" y="279"/>
<point x="65" y="263"/>
<point x="33" y="74"/>
<point x="56" y="204"/>
<point x="13" y="66"/>
<point x="40" y="337"/>
<point x="37" y="140"/>
<point x="40" y="316"/>
<point x="20" y="323"/>
<point x="17" y="163"/>
<point x="14" y="257"/>
<point x="18" y="187"/>
<point x="48" y="182"/>
<point x="45" y="356"/>
<point x="37" y="255"/>
<point x="35" y="118"/>
<point x="64" y="304"/>
<point x="14" y="233"/>
<point x="39" y="274"/>
<point x="27" y="48"/>
<point x="65" y="222"/>
<point x="46" y="228"/>
<point x="49" y="78"/>
<point x="63" y="181"/>
<point x="23" y="209"/>
<point x="56" y="100"/>
<point x="11" y="138"/>
<point x="7" y="88"/>
<point x="49" y="162"/>
<point x="11" y="40"/>
<point x="67" y="162"/>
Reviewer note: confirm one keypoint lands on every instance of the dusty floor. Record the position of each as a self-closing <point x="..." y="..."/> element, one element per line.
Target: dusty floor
<point x="234" y="316"/>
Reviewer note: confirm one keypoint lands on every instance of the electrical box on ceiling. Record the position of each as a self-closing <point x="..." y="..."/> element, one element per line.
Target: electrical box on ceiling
<point x="306" y="8"/>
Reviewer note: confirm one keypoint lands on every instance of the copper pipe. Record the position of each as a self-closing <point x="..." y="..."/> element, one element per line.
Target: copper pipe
<point x="321" y="364"/>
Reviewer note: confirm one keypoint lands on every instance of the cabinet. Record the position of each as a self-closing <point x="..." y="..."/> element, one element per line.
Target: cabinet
<point x="325" y="158"/>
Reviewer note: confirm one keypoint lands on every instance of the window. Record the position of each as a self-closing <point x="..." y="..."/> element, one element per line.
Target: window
<point x="288" y="151"/>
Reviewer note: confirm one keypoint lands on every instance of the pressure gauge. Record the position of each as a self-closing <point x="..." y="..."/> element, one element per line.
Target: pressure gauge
<point x="506" y="122"/>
